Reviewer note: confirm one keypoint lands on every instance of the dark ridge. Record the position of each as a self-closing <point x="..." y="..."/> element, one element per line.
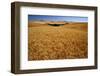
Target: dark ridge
<point x="56" y="24"/>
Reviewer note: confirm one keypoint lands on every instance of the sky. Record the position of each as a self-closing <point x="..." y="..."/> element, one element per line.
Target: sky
<point x="57" y="18"/>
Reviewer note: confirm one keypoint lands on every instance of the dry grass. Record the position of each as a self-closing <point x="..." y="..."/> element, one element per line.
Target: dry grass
<point x="63" y="42"/>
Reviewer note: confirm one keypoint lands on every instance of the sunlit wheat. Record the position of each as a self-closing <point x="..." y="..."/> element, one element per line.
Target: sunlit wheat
<point x="63" y="42"/>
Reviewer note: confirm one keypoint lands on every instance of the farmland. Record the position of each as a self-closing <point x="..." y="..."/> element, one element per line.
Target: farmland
<point x="46" y="42"/>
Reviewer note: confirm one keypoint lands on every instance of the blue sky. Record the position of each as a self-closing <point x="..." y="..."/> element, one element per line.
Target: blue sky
<point x="58" y="18"/>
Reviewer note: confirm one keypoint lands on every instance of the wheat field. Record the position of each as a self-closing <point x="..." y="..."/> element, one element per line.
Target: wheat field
<point x="47" y="42"/>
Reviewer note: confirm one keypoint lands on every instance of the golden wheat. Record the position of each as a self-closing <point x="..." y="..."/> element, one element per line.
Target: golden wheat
<point x="63" y="42"/>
